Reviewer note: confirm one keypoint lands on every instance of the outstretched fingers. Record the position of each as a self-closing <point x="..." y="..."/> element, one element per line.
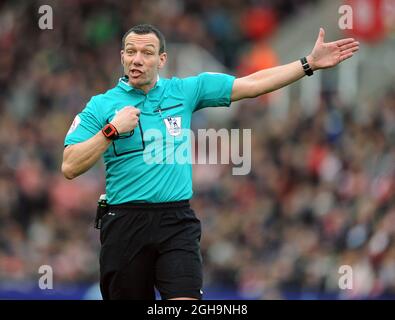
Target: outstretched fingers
<point x="343" y="42"/>
<point x="345" y="54"/>
<point x="345" y="57"/>
<point x="347" y="49"/>
<point x="352" y="45"/>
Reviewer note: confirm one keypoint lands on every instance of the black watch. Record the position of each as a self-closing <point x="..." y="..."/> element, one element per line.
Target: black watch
<point x="306" y="67"/>
<point x="110" y="132"/>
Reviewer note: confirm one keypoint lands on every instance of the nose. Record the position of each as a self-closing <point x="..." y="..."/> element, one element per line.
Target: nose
<point x="138" y="59"/>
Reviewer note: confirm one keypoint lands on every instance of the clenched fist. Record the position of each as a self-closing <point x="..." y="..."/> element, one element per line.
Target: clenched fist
<point x="126" y="119"/>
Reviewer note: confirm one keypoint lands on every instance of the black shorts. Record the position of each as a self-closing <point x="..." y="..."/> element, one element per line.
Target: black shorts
<point x="150" y="245"/>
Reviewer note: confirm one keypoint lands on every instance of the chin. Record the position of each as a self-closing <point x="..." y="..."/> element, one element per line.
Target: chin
<point x="135" y="83"/>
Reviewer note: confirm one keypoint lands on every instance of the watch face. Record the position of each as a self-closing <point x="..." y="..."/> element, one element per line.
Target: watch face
<point x="108" y="130"/>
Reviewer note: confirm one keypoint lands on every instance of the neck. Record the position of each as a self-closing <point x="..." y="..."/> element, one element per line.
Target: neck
<point x="145" y="87"/>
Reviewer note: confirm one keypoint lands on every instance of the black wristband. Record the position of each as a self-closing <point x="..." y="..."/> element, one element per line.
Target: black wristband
<point x="306" y="67"/>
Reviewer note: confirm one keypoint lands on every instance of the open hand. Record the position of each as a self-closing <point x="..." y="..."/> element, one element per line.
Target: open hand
<point x="329" y="54"/>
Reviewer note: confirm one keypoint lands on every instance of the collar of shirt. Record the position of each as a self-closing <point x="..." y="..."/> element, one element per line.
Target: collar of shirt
<point x="123" y="83"/>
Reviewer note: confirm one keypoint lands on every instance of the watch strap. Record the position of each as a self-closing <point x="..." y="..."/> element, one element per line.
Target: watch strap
<point x="306" y="67"/>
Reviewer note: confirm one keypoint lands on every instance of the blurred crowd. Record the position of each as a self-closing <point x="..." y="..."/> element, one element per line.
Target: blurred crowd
<point x="321" y="193"/>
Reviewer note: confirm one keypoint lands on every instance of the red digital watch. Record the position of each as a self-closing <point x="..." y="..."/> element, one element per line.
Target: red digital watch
<point x="110" y="132"/>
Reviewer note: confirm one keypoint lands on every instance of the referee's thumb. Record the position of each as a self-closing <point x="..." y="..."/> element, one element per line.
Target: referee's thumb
<point x="321" y="36"/>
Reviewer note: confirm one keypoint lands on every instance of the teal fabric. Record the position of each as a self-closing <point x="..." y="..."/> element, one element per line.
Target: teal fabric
<point x="134" y="169"/>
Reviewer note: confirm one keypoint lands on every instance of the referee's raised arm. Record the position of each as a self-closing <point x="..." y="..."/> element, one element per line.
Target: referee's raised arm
<point x="324" y="55"/>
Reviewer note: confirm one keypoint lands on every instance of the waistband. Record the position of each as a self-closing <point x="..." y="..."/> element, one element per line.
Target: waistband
<point x="151" y="205"/>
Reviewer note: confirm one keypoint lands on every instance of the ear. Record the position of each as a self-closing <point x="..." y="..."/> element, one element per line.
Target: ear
<point x="162" y="60"/>
<point x="122" y="52"/>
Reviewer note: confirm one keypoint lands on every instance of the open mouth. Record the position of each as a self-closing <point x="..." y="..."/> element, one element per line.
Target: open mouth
<point x="134" y="73"/>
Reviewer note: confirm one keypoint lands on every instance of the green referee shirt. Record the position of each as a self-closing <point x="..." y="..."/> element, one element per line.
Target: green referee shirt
<point x="141" y="165"/>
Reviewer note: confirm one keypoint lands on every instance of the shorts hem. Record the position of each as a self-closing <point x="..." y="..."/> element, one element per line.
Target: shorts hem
<point x="182" y="294"/>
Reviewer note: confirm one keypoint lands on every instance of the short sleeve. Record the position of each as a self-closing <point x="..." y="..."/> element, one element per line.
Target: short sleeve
<point x="85" y="125"/>
<point x="211" y="90"/>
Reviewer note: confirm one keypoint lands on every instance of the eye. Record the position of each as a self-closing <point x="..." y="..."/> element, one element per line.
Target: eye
<point x="148" y="53"/>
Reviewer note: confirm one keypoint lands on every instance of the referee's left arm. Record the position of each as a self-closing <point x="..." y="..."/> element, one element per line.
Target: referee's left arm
<point x="324" y="55"/>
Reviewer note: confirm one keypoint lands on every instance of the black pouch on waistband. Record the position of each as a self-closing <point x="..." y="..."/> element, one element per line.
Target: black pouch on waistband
<point x="102" y="209"/>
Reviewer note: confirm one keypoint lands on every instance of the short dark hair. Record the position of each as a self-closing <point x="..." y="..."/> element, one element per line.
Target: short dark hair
<point x="146" y="29"/>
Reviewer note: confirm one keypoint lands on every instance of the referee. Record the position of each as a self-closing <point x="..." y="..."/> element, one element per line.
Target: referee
<point x="150" y="237"/>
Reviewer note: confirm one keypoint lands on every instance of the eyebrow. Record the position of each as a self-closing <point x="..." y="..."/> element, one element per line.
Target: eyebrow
<point x="147" y="45"/>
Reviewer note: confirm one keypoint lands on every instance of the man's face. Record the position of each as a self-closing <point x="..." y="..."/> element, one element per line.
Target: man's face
<point x="141" y="60"/>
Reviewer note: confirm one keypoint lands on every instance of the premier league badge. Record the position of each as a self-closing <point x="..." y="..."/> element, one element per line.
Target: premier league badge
<point x="173" y="125"/>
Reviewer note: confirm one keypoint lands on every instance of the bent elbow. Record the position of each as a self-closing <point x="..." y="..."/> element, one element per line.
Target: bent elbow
<point x="68" y="173"/>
